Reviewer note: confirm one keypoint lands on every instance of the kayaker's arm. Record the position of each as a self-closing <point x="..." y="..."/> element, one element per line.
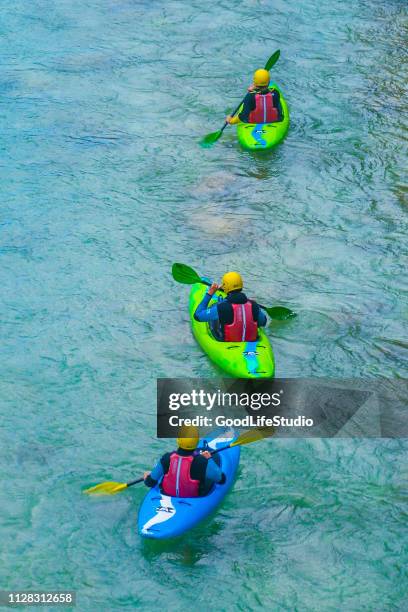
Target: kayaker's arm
<point x="204" y="314"/>
<point x="259" y="314"/>
<point x="277" y="103"/>
<point x="213" y="471"/>
<point x="152" y="478"/>
<point x="248" y="106"/>
<point x="262" y="319"/>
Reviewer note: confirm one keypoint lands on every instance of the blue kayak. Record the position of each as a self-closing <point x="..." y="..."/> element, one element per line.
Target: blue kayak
<point x="162" y="516"/>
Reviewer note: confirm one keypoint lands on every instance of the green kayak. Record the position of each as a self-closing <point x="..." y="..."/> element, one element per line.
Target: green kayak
<point x="239" y="359"/>
<point x="263" y="136"/>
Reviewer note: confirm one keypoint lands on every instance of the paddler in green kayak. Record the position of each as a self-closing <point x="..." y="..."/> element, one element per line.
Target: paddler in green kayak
<point x="186" y="472"/>
<point x="235" y="318"/>
<point x="261" y="104"/>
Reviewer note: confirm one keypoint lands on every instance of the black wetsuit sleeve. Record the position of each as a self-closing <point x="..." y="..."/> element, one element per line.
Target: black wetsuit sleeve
<point x="255" y="311"/>
<point x="198" y="468"/>
<point x="277" y="103"/>
<point x="249" y="106"/>
<point x="198" y="472"/>
<point x="258" y="315"/>
<point x="225" y="313"/>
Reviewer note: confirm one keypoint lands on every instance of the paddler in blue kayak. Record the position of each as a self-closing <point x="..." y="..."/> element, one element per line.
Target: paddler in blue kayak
<point x="235" y="318"/>
<point x="261" y="105"/>
<point x="186" y="472"/>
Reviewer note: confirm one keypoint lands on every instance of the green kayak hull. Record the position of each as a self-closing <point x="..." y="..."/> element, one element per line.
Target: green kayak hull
<point x="264" y="136"/>
<point x="239" y="359"/>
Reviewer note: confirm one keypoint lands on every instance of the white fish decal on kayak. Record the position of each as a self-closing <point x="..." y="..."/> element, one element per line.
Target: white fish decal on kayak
<point x="164" y="511"/>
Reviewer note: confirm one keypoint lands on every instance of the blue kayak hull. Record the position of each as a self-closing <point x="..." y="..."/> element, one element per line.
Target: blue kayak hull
<point x="162" y="516"/>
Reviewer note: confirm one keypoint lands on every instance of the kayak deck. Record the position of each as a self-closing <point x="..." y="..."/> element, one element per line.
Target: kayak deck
<point x="264" y="136"/>
<point x="239" y="359"/>
<point x="162" y="516"/>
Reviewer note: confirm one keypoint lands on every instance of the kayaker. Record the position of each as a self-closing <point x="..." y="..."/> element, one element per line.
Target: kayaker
<point x="235" y="318"/>
<point x="186" y="472"/>
<point x="261" y="105"/>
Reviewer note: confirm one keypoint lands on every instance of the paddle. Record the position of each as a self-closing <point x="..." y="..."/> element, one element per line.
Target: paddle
<point x="187" y="276"/>
<point x="212" y="138"/>
<point x="111" y="488"/>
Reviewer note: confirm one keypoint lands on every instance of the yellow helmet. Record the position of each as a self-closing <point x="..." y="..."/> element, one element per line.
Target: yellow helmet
<point x="231" y="281"/>
<point x="261" y="77"/>
<point x="188" y="438"/>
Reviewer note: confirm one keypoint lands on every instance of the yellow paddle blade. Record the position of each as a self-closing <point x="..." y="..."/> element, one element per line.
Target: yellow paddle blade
<point x="253" y="436"/>
<point x="107" y="488"/>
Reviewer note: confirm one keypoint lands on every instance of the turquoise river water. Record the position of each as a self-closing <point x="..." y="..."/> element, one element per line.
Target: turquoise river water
<point x="103" y="187"/>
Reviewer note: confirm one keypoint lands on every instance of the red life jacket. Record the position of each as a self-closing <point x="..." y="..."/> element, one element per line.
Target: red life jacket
<point x="265" y="111"/>
<point x="178" y="482"/>
<point x="243" y="328"/>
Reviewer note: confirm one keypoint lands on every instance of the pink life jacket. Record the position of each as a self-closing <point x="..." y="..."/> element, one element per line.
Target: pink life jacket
<point x="243" y="328"/>
<point x="265" y="111"/>
<point x="178" y="482"/>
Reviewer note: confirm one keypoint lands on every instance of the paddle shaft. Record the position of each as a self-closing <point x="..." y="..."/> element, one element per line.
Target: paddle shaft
<point x="232" y="115"/>
<point x="133" y="482"/>
<point x="218" y="450"/>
